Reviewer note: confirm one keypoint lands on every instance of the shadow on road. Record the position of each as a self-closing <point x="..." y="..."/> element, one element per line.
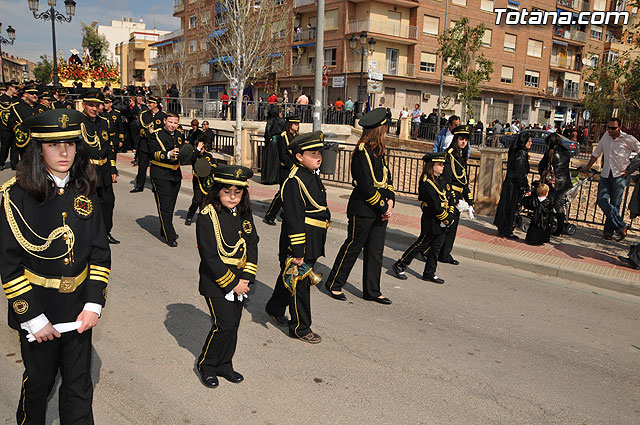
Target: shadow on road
<point x="188" y="325"/>
<point x="151" y="224"/>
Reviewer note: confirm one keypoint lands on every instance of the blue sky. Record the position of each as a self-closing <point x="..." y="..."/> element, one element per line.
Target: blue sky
<point x="33" y="37"/>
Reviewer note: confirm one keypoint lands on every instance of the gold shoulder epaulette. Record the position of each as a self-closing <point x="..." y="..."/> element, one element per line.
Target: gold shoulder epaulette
<point x="293" y="171"/>
<point x="7" y="185"/>
<point x="361" y="146"/>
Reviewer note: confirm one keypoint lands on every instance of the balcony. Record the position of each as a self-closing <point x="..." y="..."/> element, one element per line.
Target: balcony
<point x="139" y="65"/>
<point x="565" y="63"/>
<point x="301" y="3"/>
<point x="570" y="34"/>
<point x="299" y="69"/>
<point x="383" y="29"/>
<point x="613" y="43"/>
<point x="178" y="6"/>
<point x="562" y="92"/>
<point x="304" y="35"/>
<point x="386" y="67"/>
<point x="170" y="36"/>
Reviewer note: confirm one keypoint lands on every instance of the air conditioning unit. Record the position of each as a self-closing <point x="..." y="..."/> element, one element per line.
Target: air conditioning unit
<point x="426" y="97"/>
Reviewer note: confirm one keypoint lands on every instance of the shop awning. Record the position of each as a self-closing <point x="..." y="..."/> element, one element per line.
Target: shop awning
<point x="225" y="59"/>
<point x="303" y="45"/>
<point x="217" y="33"/>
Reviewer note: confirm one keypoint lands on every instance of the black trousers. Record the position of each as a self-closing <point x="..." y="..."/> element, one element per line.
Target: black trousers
<point x="71" y="355"/>
<point x="166" y="194"/>
<point x="449" y="239"/>
<point x="299" y="303"/>
<point x="196" y="201"/>
<point x="143" y="164"/>
<point x="217" y="353"/>
<point x="428" y="243"/>
<point x="16" y="154"/>
<point x="107" y="204"/>
<point x="5" y="146"/>
<point x="363" y="233"/>
<point x="274" y="207"/>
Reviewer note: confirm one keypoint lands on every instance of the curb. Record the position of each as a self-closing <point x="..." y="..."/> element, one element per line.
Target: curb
<point x="599" y="279"/>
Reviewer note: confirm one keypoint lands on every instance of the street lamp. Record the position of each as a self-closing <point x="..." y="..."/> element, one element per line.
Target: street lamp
<point x="353" y="42"/>
<point x="12" y="36"/>
<point x="53" y="15"/>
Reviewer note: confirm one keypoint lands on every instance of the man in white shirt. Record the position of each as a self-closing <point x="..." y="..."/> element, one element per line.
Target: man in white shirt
<point x="514" y="127"/>
<point x="616" y="146"/>
<point x="415" y="121"/>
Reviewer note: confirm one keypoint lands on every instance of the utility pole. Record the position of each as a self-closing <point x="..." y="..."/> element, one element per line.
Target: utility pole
<point x="317" y="92"/>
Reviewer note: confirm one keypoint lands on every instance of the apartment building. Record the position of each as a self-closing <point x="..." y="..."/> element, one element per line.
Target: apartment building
<point x="15" y="68"/>
<point x="135" y="55"/>
<point x="540" y="72"/>
<point x="119" y="32"/>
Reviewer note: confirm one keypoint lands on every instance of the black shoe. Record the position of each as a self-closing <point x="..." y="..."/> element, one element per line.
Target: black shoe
<point x="607" y="237"/>
<point x="452" y="261"/>
<point x="279" y="320"/>
<point x="512" y="237"/>
<point x="188" y="221"/>
<point x="623" y="233"/>
<point x="627" y="262"/>
<point x="173" y="244"/>
<point x="233" y="376"/>
<point x="340" y="296"/>
<point x="434" y="279"/>
<point x="399" y="272"/>
<point x="269" y="221"/>
<point x="136" y="190"/>
<point x="111" y="239"/>
<point x="209" y="381"/>
<point x="380" y="300"/>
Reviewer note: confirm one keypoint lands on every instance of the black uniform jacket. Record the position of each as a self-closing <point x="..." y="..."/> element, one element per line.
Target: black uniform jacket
<point x="91" y="252"/>
<point x="216" y="234"/>
<point x="18" y="113"/>
<point x="116" y="126"/>
<point x="436" y="205"/>
<point x="101" y="151"/>
<point x="306" y="215"/>
<point x="455" y="177"/>
<point x="62" y="105"/>
<point x="6" y="103"/>
<point x="149" y="123"/>
<point x="162" y="167"/>
<point x="286" y="157"/>
<point x="373" y="184"/>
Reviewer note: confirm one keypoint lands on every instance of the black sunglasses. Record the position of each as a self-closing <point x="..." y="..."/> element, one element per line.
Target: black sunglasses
<point x="612" y="128"/>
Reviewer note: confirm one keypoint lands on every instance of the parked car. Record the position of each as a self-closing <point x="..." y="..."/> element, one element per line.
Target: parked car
<point x="538" y="137"/>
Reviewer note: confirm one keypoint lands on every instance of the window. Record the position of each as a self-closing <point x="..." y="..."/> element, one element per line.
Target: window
<point x="193" y="46"/>
<point x="509" y="43"/>
<point x="390" y="97"/>
<point x="611" y="56"/>
<point x="330" y="56"/>
<point x="596" y="32"/>
<point x="331" y="19"/>
<point x="531" y="78"/>
<point x="506" y="75"/>
<point x="204" y="70"/>
<point x="588" y="87"/>
<point x="599" y="5"/>
<point x="594" y="61"/>
<point x="513" y="5"/>
<point x="497" y="110"/>
<point x="459" y="2"/>
<point x="193" y="21"/>
<point x="534" y="48"/>
<point x="392" y="56"/>
<point x="486" y="5"/>
<point x="486" y="38"/>
<point x="431" y="25"/>
<point x="427" y="62"/>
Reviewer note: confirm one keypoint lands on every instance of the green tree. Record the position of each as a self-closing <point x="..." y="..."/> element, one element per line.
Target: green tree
<point x="96" y="43"/>
<point x="617" y="89"/>
<point x="459" y="47"/>
<point x="43" y="70"/>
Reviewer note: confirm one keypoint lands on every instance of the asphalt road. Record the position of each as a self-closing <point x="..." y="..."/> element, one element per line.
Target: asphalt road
<point x="492" y="345"/>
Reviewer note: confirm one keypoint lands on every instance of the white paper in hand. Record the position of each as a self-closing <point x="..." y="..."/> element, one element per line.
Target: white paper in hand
<point x="61" y="328"/>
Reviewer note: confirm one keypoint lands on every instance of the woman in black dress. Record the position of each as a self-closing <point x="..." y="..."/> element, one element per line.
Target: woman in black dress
<point x="557" y="159"/>
<point x="514" y="186"/>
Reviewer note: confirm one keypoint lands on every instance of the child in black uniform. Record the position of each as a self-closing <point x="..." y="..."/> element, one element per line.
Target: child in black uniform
<point x="539" y="231"/>
<point x="228" y="247"/>
<point x="437" y="215"/>
<point x="304" y="231"/>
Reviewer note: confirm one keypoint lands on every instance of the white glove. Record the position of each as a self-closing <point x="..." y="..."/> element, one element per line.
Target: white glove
<point x="231" y="296"/>
<point x="472" y="214"/>
<point x="462" y="205"/>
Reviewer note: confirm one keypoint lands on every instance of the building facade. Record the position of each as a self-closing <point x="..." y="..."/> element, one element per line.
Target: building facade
<point x="119" y="32"/>
<point x="135" y="56"/>
<point x="16" y="69"/>
<point x="540" y="71"/>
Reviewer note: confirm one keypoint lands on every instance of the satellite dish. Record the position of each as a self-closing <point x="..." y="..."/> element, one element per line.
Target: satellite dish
<point x="586" y="61"/>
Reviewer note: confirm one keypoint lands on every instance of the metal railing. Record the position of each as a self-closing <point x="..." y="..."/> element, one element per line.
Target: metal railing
<point x="386" y="67"/>
<point x="306" y="34"/>
<point x="300" y="69"/>
<point x="570" y="34"/>
<point x="382" y="27"/>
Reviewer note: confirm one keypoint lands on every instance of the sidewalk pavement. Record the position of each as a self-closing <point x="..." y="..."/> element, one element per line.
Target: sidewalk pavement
<point x="584" y="257"/>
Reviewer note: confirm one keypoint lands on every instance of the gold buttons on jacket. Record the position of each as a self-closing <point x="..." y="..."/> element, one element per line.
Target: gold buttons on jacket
<point x="66" y="260"/>
<point x="64" y="215"/>
<point x="61" y="191"/>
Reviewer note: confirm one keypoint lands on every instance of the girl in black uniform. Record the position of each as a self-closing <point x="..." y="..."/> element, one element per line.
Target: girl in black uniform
<point x="51" y="226"/>
<point x="456" y="180"/>
<point x="437" y="215"/>
<point x="369" y="209"/>
<point x="228" y="247"/>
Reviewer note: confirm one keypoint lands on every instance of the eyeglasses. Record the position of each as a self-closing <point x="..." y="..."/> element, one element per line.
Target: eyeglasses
<point x="612" y="128"/>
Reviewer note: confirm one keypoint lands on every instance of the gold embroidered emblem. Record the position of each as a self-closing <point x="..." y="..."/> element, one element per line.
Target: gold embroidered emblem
<point x="238" y="173"/>
<point x="63" y="120"/>
<point x="22" y="137"/>
<point x="179" y="140"/>
<point x="113" y="117"/>
<point x="105" y="135"/>
<point x="246" y="226"/>
<point x="382" y="203"/>
<point x="158" y="122"/>
<point x="68" y="106"/>
<point x="66" y="285"/>
<point x="83" y="206"/>
<point x="20" y="306"/>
